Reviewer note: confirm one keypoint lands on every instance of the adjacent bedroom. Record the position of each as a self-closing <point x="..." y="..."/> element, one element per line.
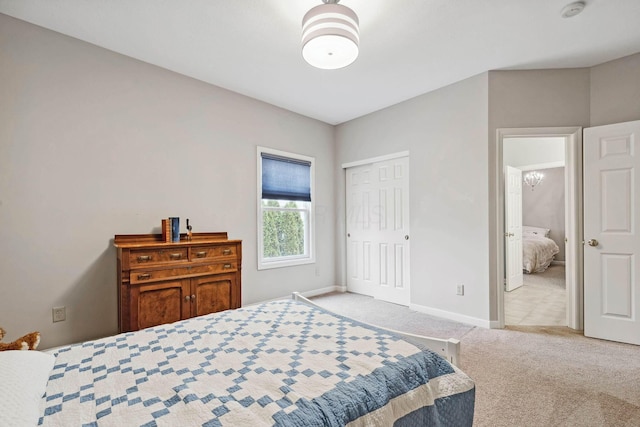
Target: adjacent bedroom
<point x="541" y="298"/>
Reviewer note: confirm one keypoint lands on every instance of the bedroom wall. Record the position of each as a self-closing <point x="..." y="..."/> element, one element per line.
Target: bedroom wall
<point x="93" y="143"/>
<point x="445" y="132"/>
<point x="521" y="99"/>
<point x="544" y="206"/>
<point x="615" y="91"/>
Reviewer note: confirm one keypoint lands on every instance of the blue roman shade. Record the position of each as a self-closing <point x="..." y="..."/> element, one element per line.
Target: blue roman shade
<point x="285" y="178"/>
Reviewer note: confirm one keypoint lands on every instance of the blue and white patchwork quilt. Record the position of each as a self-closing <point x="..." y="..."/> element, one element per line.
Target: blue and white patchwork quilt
<point x="281" y="363"/>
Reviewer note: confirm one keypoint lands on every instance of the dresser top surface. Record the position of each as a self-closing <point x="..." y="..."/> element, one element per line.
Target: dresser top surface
<point x="129" y="241"/>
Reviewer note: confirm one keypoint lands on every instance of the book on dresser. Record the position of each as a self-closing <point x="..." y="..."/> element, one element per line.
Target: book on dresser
<point x="162" y="282"/>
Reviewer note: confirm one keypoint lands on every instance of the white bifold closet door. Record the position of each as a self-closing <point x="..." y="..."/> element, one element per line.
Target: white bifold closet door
<point x="378" y="230"/>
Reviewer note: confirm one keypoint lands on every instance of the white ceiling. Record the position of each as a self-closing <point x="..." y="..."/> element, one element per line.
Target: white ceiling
<point x="407" y="47"/>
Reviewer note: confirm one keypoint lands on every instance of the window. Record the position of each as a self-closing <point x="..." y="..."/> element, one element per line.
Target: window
<point x="285" y="209"/>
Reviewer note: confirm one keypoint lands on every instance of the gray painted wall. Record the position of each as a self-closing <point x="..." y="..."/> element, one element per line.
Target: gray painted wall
<point x="615" y="91"/>
<point x="93" y="144"/>
<point x="445" y="132"/>
<point x="522" y="99"/>
<point x="544" y="206"/>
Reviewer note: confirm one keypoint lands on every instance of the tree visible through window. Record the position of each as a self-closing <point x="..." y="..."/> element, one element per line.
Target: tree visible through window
<point x="283" y="230"/>
<point x="285" y="217"/>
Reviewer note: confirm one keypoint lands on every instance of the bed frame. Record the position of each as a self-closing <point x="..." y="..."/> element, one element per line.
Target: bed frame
<point x="447" y="348"/>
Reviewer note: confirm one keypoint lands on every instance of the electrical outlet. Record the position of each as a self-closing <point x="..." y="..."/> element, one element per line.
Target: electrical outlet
<point x="59" y="314"/>
<point x="460" y="290"/>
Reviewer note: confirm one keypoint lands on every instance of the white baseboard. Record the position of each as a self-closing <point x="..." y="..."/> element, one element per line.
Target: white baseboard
<point x="321" y="291"/>
<point x="451" y="316"/>
<point x="308" y="294"/>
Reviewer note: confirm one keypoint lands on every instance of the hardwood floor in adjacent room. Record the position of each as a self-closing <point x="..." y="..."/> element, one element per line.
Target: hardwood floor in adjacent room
<point x="541" y="301"/>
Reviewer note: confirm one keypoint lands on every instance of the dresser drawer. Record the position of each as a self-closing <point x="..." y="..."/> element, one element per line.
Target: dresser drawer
<point x="143" y="276"/>
<point x="142" y="257"/>
<point x="208" y="252"/>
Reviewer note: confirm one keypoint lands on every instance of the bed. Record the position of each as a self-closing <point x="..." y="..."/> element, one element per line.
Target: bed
<point x="538" y="250"/>
<point x="284" y="363"/>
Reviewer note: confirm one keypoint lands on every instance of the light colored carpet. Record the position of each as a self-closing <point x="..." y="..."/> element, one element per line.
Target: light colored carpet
<point x="525" y="375"/>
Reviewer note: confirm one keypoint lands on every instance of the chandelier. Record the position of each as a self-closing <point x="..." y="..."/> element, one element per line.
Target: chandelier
<point x="533" y="178"/>
<point x="330" y="36"/>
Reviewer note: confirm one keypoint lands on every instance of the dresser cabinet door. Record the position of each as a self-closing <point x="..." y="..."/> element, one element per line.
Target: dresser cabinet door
<point x="213" y="293"/>
<point x="157" y="303"/>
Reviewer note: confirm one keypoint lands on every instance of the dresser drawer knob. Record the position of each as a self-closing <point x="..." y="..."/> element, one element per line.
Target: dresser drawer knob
<point x="201" y="254"/>
<point x="226" y="252"/>
<point x="144" y="258"/>
<point x="227" y="266"/>
<point x="175" y="256"/>
<point x="145" y="276"/>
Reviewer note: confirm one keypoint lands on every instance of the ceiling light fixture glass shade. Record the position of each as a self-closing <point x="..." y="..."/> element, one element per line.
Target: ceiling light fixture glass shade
<point x="330" y="36"/>
<point x="533" y="178"/>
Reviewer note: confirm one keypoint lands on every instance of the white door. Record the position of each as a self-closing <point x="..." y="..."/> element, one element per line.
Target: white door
<point x="612" y="243"/>
<point x="513" y="228"/>
<point x="378" y="230"/>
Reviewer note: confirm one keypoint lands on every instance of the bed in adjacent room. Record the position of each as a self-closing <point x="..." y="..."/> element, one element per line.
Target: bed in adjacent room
<point x="538" y="250"/>
<point x="282" y="363"/>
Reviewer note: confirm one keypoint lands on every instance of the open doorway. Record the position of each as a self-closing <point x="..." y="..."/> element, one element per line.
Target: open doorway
<point x="539" y="296"/>
<point x="573" y="214"/>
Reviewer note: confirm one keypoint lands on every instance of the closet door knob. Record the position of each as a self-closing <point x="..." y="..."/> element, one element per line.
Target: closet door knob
<point x="592" y="242"/>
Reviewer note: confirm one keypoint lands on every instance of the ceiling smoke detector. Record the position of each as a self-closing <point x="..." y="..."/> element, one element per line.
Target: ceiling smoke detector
<point x="573" y="9"/>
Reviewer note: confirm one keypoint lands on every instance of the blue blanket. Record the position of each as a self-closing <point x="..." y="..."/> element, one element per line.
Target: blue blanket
<point x="280" y="363"/>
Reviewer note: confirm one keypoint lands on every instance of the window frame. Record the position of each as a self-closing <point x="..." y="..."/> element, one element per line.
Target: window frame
<point x="286" y="261"/>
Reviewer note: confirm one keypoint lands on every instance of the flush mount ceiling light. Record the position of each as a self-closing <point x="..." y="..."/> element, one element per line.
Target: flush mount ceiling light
<point x="572" y="9"/>
<point x="330" y="36"/>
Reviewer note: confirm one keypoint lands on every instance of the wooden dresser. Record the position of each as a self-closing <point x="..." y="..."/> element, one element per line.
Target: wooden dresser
<point x="163" y="282"/>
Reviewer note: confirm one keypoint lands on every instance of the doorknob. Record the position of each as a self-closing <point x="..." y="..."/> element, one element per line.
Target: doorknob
<point x="509" y="234"/>
<point x="592" y="242"/>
